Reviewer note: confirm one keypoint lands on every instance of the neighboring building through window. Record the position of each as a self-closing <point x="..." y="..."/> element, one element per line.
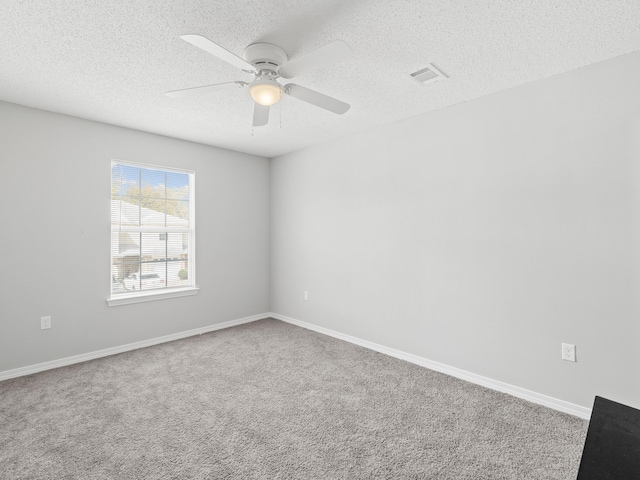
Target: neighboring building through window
<point x="152" y="230"/>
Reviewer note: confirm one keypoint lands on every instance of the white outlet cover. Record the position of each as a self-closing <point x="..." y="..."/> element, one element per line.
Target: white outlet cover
<point x="569" y="352"/>
<point x="45" y="322"/>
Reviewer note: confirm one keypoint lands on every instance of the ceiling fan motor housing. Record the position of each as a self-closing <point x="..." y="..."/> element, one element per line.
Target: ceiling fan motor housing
<point x="265" y="56"/>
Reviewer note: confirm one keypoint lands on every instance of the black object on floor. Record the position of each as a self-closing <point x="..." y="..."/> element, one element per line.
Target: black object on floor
<point x="612" y="447"/>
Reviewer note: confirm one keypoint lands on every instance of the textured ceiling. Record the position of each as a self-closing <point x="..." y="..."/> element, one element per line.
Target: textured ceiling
<point x="112" y="60"/>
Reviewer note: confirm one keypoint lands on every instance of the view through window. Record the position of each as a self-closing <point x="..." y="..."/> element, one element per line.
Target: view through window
<point x="152" y="229"/>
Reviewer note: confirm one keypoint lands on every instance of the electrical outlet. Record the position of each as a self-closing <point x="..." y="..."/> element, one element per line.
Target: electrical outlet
<point x="45" y="322"/>
<point x="568" y="352"/>
<point x="306" y="295"/>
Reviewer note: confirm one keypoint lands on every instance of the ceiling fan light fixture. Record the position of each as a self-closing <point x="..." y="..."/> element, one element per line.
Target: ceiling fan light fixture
<point x="267" y="63"/>
<point x="265" y="91"/>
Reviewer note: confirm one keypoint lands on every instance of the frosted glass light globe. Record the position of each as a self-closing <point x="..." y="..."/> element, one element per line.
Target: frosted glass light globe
<point x="265" y="93"/>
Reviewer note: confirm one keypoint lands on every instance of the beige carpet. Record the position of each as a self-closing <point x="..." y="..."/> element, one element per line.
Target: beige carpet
<point x="268" y="400"/>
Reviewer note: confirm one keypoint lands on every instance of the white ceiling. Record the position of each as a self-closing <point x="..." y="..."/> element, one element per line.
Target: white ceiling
<point x="112" y="60"/>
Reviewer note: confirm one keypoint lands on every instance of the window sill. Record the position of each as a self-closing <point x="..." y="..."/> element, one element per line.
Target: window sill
<point x="150" y="296"/>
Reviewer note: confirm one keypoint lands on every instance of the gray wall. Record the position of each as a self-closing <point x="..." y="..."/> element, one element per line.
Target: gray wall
<point x="480" y="236"/>
<point x="55" y="236"/>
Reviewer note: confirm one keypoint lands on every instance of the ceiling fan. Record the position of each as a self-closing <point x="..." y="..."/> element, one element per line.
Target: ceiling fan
<point x="267" y="63"/>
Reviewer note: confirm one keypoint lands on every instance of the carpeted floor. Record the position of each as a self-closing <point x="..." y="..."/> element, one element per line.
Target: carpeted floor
<point x="268" y="400"/>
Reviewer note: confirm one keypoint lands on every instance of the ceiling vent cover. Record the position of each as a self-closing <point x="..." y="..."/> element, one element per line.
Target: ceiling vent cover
<point x="428" y="74"/>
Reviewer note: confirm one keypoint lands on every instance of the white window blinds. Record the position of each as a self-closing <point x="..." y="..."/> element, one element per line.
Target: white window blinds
<point x="152" y="229"/>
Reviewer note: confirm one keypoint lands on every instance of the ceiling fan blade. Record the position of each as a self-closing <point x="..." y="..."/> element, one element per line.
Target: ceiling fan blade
<point x="216" y="50"/>
<point x="315" y="98"/>
<point x="193" y="91"/>
<point x="329" y="54"/>
<point x="260" y="115"/>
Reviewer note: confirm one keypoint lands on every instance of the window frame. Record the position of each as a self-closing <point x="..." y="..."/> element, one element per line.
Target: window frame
<point x="137" y="296"/>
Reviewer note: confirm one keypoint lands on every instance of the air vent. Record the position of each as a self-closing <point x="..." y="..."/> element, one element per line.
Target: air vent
<point x="428" y="74"/>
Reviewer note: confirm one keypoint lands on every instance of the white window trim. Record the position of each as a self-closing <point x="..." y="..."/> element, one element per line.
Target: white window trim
<point x="151" y="295"/>
<point x="165" y="293"/>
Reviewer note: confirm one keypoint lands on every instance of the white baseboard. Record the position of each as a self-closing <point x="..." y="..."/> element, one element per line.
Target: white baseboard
<point x="39" y="367"/>
<point x="554" y="403"/>
<point x="534" y="397"/>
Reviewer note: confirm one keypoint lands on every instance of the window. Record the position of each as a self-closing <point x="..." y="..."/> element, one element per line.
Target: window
<point x="152" y="233"/>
